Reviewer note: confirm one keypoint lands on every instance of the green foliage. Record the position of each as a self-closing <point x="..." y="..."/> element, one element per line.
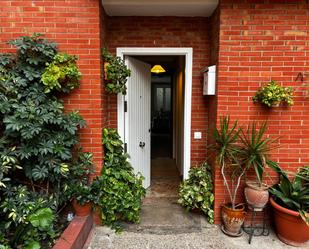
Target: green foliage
<point x="225" y="146"/>
<point x="117" y="191"/>
<point x="5" y="247"/>
<point x="26" y="219"/>
<point x="273" y="94"/>
<point x="303" y="173"/>
<point x="255" y="148"/>
<point x="8" y="163"/>
<point x="39" y="153"/>
<point x="62" y="73"/>
<point x="117" y="73"/>
<point x="197" y="191"/>
<point x="292" y="194"/>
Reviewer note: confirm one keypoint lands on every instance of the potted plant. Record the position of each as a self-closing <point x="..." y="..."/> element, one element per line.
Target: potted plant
<point x="226" y="152"/>
<point x="254" y="156"/>
<point x="196" y="191"/>
<point x="273" y="94"/>
<point x="116" y="73"/>
<point x="81" y="199"/>
<point x="79" y="187"/>
<point x="290" y="202"/>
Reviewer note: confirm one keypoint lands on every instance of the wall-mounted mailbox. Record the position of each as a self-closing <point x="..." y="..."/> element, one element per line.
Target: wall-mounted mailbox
<point x="209" y="86"/>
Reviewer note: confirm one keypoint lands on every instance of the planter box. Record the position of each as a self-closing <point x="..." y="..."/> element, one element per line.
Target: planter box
<point x="76" y="234"/>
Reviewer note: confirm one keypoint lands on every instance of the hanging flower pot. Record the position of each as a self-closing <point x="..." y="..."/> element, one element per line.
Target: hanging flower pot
<point x="116" y="73"/>
<point x="272" y="95"/>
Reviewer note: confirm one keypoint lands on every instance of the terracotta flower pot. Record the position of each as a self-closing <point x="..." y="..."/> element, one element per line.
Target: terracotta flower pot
<point x="81" y="210"/>
<point x="233" y="219"/>
<point x="290" y="227"/>
<point x="256" y="196"/>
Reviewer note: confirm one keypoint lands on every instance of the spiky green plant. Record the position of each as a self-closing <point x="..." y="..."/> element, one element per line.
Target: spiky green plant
<point x="255" y="149"/>
<point x="226" y="151"/>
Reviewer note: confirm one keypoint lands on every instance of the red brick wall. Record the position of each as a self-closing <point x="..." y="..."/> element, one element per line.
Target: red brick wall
<point x="169" y="32"/>
<point x="260" y="42"/>
<point x="75" y="26"/>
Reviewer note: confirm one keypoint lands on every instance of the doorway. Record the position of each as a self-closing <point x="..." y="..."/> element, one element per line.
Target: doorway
<point x="169" y="125"/>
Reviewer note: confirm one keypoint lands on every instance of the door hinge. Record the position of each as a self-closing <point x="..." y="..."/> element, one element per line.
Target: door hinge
<point x="125" y="106"/>
<point x="125" y="147"/>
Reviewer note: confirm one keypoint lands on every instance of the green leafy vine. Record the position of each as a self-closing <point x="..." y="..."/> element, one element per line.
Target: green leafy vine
<point x="117" y="191"/>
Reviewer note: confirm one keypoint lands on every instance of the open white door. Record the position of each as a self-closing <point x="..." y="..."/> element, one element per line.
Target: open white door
<point x="137" y="117"/>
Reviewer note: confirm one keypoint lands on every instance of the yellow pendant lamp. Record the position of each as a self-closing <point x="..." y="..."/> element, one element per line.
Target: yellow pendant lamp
<point x="157" y="69"/>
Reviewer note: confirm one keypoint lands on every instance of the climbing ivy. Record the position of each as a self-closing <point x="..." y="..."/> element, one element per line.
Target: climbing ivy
<point x="117" y="191"/>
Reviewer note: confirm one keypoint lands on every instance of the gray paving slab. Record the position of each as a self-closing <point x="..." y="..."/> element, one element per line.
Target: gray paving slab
<point x="209" y="236"/>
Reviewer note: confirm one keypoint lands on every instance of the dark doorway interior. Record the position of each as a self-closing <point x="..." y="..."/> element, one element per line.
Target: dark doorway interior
<point x="161" y="117"/>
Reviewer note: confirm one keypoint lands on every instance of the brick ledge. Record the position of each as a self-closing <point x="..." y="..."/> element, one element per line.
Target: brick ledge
<point x="76" y="234"/>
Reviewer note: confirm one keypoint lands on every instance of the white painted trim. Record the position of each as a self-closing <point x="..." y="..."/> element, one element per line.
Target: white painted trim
<point x="188" y="53"/>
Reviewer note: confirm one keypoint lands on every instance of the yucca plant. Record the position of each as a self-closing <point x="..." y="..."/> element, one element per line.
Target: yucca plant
<point x="226" y="151"/>
<point x="255" y="149"/>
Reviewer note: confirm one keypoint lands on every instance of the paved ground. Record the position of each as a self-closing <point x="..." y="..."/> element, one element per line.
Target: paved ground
<point x="165" y="225"/>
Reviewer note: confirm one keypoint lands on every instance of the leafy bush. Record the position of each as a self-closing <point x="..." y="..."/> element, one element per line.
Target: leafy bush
<point x="197" y="191"/>
<point x="117" y="73"/>
<point x="117" y="191"/>
<point x="272" y="94"/>
<point x="39" y="153"/>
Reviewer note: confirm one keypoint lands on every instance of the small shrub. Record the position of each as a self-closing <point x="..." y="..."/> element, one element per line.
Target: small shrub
<point x="196" y="191"/>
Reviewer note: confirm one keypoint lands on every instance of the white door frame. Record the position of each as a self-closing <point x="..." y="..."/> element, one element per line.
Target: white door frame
<point x="188" y="53"/>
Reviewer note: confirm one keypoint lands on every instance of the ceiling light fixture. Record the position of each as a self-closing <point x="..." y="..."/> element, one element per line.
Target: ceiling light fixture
<point x="157" y="69"/>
